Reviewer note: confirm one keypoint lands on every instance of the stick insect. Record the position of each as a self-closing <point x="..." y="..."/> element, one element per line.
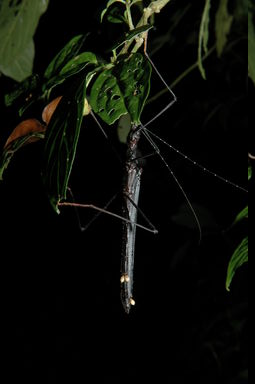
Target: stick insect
<point x="132" y="182"/>
<point x="59" y="132"/>
<point x="131" y="192"/>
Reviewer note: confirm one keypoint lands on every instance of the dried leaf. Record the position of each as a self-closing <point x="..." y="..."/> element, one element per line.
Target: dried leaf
<point x="8" y="152"/>
<point x="50" y="109"/>
<point x="23" y="129"/>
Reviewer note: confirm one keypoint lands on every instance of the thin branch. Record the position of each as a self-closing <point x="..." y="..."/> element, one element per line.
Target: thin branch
<point x="129" y="15"/>
<point x="154" y="7"/>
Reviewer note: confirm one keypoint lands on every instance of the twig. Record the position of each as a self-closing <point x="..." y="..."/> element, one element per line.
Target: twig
<point x="154" y="7"/>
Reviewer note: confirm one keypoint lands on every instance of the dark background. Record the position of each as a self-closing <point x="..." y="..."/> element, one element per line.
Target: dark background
<point x="63" y="320"/>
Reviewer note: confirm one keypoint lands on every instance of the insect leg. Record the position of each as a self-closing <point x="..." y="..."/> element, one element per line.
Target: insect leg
<point x="172" y="102"/>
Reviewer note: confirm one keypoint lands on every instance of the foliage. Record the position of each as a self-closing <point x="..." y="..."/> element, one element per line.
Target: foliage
<point x="61" y="142"/>
<point x="223" y="24"/>
<point x="114" y="89"/>
<point x="240" y="256"/>
<point x="119" y="87"/>
<point x="18" y="22"/>
<point x="76" y="74"/>
<point x="127" y="84"/>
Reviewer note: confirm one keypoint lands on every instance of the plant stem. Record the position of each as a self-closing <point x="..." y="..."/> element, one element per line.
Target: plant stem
<point x="154" y="7"/>
<point x="129" y="15"/>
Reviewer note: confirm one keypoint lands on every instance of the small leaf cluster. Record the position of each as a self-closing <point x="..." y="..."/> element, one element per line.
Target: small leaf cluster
<point x="109" y="89"/>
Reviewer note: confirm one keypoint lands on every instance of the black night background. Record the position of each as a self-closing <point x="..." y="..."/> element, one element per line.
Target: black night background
<point x="62" y="319"/>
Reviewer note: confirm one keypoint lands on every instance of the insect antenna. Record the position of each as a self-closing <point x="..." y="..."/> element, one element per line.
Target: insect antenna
<point x="144" y="128"/>
<point x="146" y="134"/>
<point x="149" y="134"/>
<point x="195" y="163"/>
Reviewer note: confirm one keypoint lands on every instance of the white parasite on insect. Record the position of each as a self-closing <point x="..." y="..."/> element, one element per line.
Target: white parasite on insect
<point x="125" y="279"/>
<point x="132" y="302"/>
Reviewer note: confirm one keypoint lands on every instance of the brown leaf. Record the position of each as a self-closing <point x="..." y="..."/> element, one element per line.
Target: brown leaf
<point x="24" y="128"/>
<point x="50" y="109"/>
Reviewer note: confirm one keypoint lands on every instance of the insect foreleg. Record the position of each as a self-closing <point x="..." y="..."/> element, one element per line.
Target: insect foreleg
<point x="172" y="102"/>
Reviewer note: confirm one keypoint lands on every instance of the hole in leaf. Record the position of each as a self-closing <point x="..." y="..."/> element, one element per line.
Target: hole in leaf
<point x="111" y="112"/>
<point x="139" y="62"/>
<point x="106" y="89"/>
<point x="115" y="97"/>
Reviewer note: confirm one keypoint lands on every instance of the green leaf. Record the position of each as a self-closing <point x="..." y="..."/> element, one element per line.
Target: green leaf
<point x="114" y="16"/>
<point x="73" y="67"/>
<point x="204" y="36"/>
<point x="22" y="65"/>
<point x="131" y="35"/>
<point x="22" y="90"/>
<point x="106" y="98"/>
<point x="134" y="79"/>
<point x="109" y="4"/>
<point x="251" y="45"/>
<point x="223" y="23"/>
<point x="122" y="89"/>
<point x="18" y="22"/>
<point x="61" y="142"/>
<point x="135" y="2"/>
<point x="70" y="50"/>
<point x="239" y="258"/>
<point x="15" y="145"/>
<point x="242" y="215"/>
